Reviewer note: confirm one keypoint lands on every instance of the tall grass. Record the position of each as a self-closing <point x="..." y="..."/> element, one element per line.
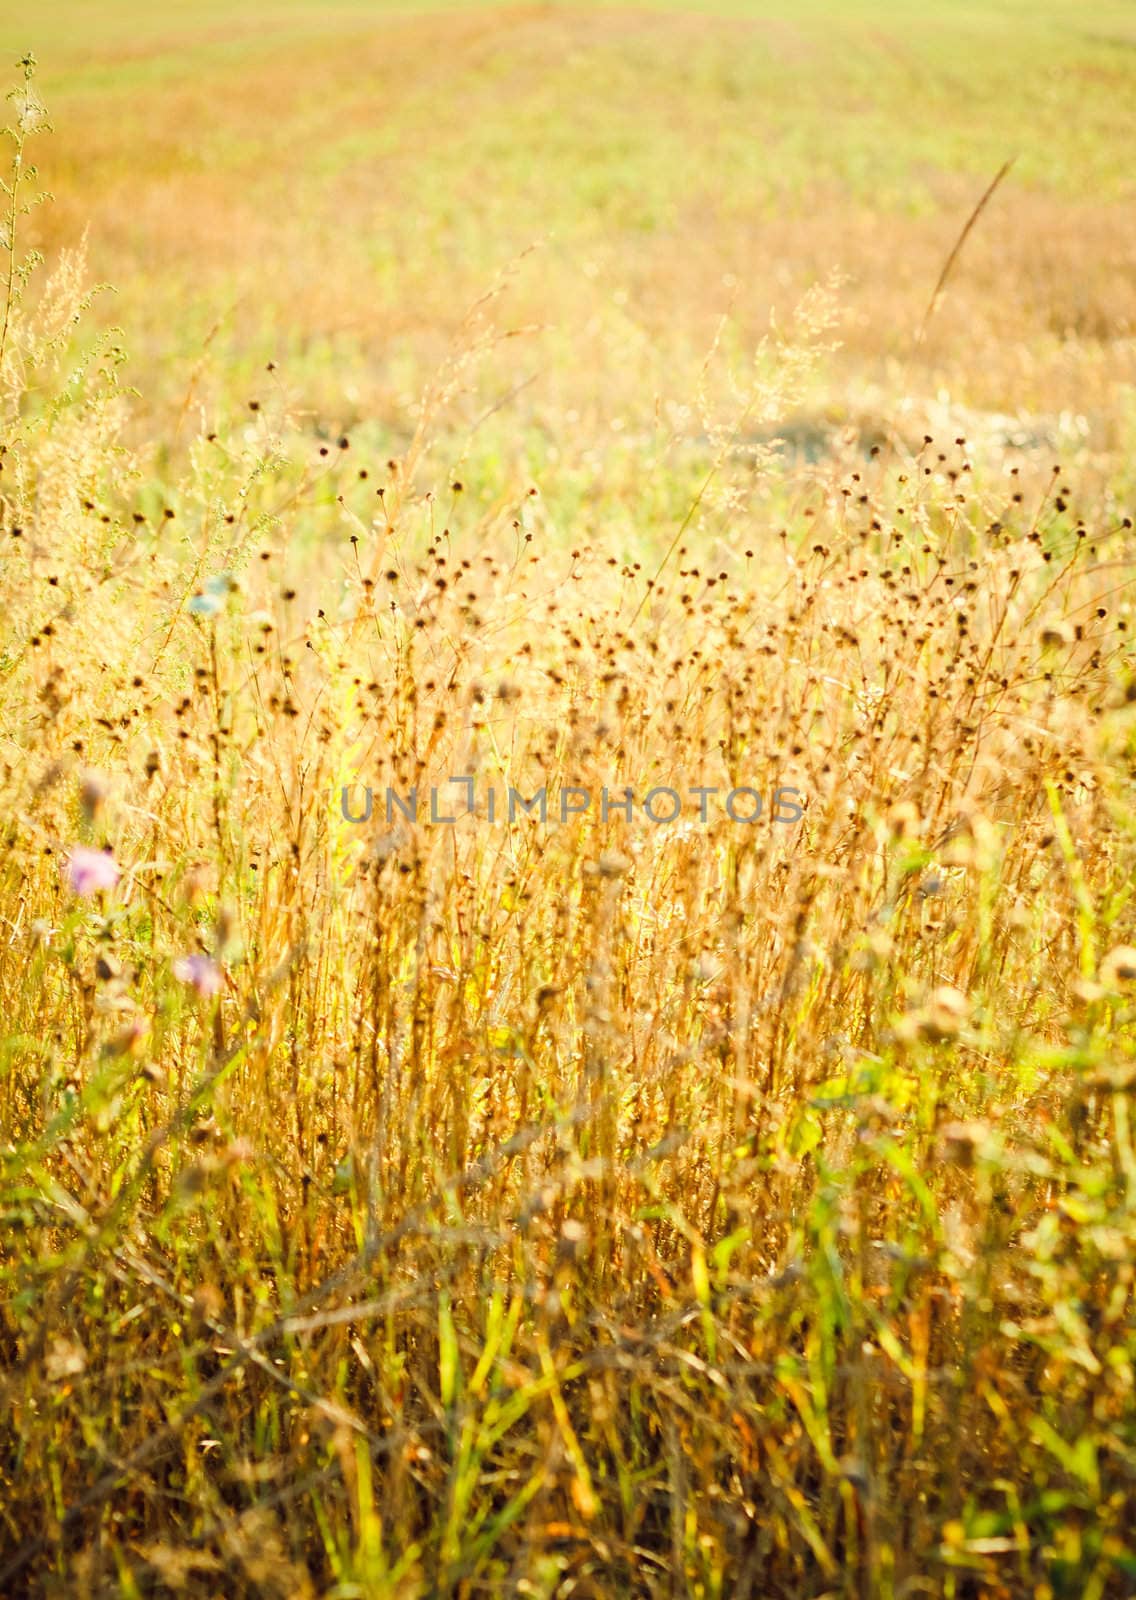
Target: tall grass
<point x="595" y="1206"/>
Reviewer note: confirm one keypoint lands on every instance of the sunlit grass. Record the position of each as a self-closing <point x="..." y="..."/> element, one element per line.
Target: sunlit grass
<point x="399" y="1208"/>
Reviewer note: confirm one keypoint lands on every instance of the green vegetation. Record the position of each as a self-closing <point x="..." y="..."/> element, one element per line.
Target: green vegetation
<point x="557" y="396"/>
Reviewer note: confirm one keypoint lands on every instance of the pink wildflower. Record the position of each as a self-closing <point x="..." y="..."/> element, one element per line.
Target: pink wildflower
<point x="89" y="870"/>
<point x="200" y="972"/>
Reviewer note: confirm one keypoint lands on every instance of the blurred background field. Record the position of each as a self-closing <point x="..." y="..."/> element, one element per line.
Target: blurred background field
<point x="332" y="186"/>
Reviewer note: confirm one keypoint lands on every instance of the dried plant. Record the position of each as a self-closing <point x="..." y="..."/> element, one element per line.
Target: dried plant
<point x="599" y="1205"/>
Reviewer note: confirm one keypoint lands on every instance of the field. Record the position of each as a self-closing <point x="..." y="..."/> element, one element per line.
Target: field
<point x="568" y="760"/>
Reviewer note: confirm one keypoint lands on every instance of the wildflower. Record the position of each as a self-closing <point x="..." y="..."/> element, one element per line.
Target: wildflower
<point x="199" y="972"/>
<point x="88" y="870"/>
<point x="207" y="602"/>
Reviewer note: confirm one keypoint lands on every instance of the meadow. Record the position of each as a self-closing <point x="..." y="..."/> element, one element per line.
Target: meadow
<point x="729" y="1191"/>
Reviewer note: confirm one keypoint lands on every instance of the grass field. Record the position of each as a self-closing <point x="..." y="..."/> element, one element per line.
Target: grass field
<point x="574" y="1197"/>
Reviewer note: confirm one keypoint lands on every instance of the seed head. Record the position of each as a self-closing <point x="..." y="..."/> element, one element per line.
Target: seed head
<point x="1118" y="969"/>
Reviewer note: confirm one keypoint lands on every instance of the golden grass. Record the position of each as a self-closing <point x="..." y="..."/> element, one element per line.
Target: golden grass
<point x="594" y="1208"/>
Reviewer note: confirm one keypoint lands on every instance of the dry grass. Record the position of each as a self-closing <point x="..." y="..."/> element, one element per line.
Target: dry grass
<point x="668" y="165"/>
<point x="598" y="1207"/>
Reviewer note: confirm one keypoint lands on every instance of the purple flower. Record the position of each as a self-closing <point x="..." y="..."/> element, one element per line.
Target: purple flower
<point x="89" y="870"/>
<point x="200" y="972"/>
